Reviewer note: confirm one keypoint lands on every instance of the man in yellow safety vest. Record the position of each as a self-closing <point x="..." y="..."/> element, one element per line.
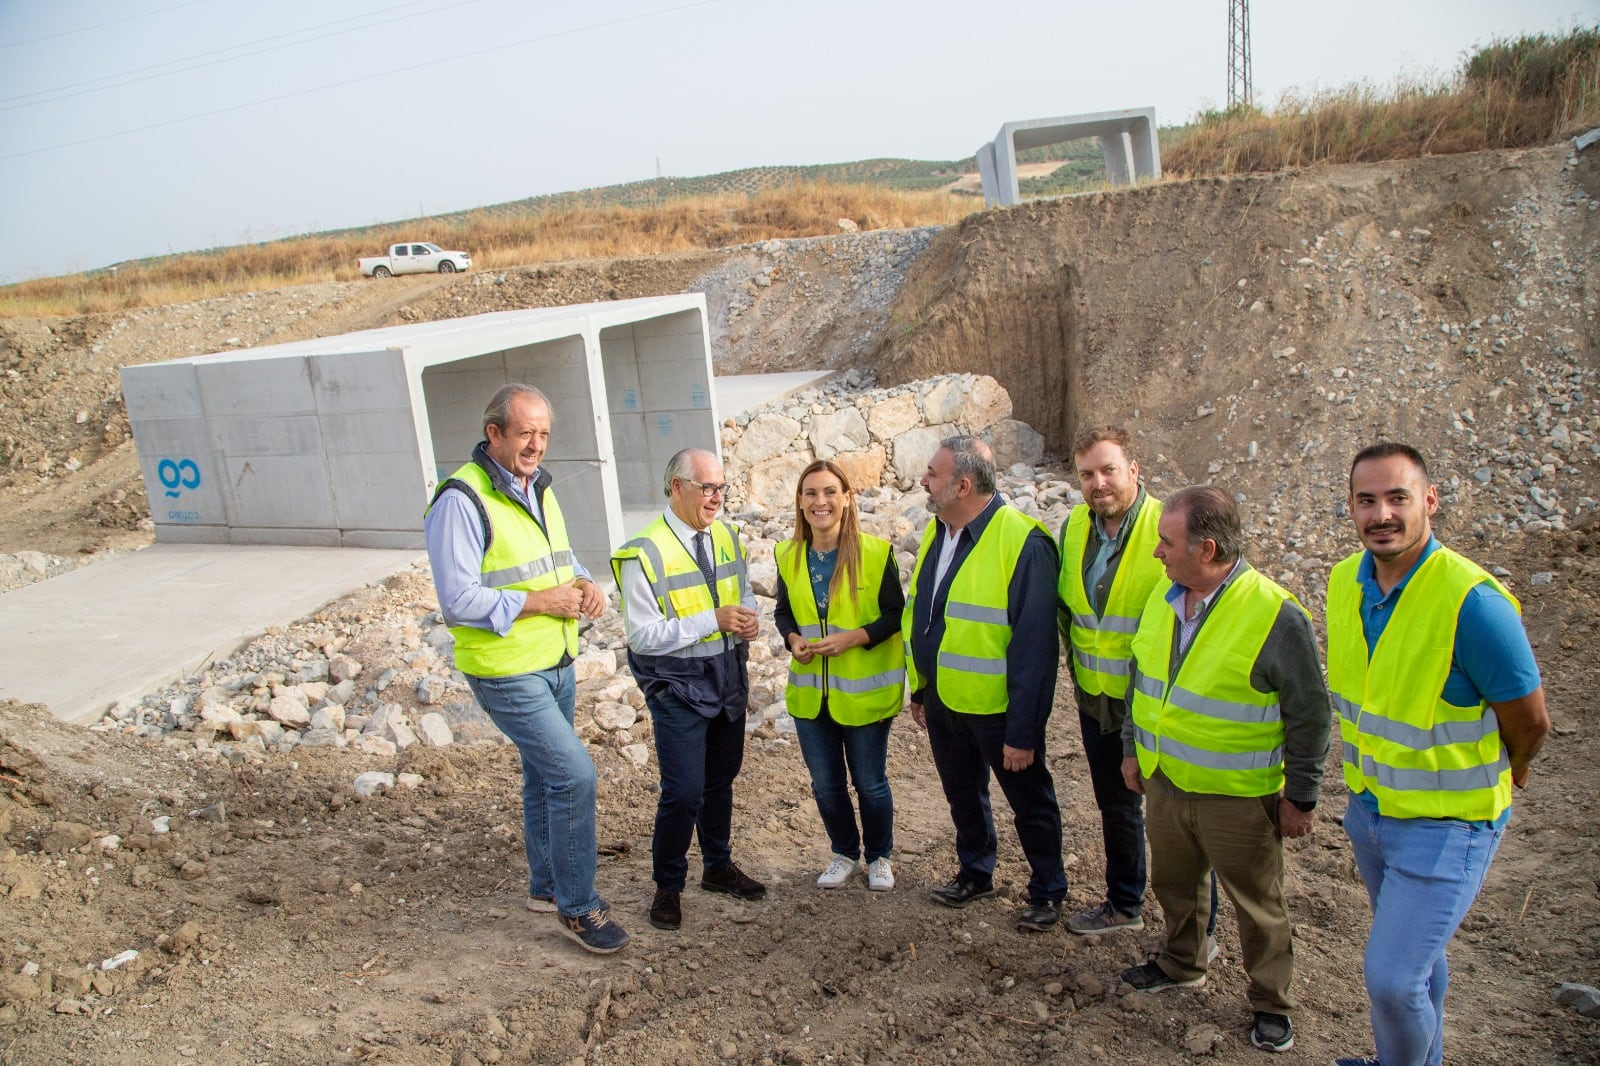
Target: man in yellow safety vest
<point x="981" y="663"/>
<point x="1441" y="711"/>
<point x="1226" y="736"/>
<point x="511" y="591"/>
<point x="689" y="614"/>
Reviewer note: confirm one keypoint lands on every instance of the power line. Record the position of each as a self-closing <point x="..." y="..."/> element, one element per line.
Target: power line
<point x="117" y="81"/>
<point x="98" y="25"/>
<point x="539" y="39"/>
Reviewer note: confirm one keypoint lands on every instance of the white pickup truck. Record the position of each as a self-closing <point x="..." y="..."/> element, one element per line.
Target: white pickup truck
<point x="412" y="258"/>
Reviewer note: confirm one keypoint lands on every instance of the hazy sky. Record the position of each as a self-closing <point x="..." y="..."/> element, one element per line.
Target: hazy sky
<point x="136" y="127"/>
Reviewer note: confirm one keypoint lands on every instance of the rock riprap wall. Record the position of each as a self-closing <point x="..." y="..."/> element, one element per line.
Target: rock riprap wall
<point x="878" y="436"/>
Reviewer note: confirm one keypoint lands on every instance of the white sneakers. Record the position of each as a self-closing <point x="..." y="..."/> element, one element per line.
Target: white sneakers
<point x="880" y="873"/>
<point x="838" y="872"/>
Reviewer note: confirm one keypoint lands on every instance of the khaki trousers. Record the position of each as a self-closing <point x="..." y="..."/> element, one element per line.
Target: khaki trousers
<point x="1190" y="835"/>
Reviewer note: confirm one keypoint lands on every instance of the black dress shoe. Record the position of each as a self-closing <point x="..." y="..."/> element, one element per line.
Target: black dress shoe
<point x="960" y="892"/>
<point x="666" y="910"/>
<point x="734" y="881"/>
<point x="1040" y="915"/>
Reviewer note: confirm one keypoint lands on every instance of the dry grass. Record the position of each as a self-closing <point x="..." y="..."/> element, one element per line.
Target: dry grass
<point x="496" y="240"/>
<point x="1510" y="94"/>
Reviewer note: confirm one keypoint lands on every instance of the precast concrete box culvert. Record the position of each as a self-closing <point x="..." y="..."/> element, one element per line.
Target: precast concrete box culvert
<point x="340" y="441"/>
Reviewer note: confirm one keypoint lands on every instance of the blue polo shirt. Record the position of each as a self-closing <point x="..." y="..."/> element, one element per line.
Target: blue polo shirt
<point x="1492" y="661"/>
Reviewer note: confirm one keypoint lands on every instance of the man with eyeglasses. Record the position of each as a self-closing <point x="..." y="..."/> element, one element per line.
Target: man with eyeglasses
<point x="689" y="613"/>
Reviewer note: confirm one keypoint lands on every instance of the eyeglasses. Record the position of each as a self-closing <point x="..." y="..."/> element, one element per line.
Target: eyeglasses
<point x="708" y="491"/>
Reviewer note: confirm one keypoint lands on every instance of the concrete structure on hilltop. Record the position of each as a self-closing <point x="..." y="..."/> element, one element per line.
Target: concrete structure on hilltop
<point x="341" y="441"/>
<point x="1127" y="141"/>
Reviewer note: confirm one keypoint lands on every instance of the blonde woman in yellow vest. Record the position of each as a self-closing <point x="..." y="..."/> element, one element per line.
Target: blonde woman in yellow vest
<point x="511" y="591"/>
<point x="1441" y="711"/>
<point x="1227" y="736"/>
<point x="838" y="609"/>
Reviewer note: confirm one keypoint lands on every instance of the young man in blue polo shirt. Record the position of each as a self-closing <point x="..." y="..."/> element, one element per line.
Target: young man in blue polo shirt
<point x="1441" y="712"/>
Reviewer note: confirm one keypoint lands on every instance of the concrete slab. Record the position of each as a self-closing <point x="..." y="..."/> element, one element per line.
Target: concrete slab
<point x="121" y="628"/>
<point x="738" y="393"/>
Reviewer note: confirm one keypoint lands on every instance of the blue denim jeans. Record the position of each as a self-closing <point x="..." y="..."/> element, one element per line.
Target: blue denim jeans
<point x="829" y="750"/>
<point x="534" y="711"/>
<point x="699" y="759"/>
<point x="1422" y="875"/>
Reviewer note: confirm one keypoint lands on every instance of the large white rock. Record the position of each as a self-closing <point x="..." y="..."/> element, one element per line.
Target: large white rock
<point x="913" y="449"/>
<point x="613" y="716"/>
<point x="838" y="431"/>
<point x="219" y="715"/>
<point x="772" y="482"/>
<point x="401" y="733"/>
<point x="328" y="716"/>
<point x="767" y="436"/>
<point x="764" y="579"/>
<point x="987" y="403"/>
<point x="269" y="731"/>
<point x="637" y="754"/>
<point x="290" y="707"/>
<point x="372" y="782"/>
<point x="864" y="469"/>
<point x="1016" y="442"/>
<point x="375" y="745"/>
<point x="892" y="417"/>
<point x="343" y="668"/>
<point x="596" y="662"/>
<point x="434" y="730"/>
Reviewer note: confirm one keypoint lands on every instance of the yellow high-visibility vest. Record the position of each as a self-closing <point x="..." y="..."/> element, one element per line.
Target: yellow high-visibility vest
<point x="1100" y="645"/>
<point x="1208" y="729"/>
<point x="972" y="656"/>
<point x="1419" y="756"/>
<point x="676" y="581"/>
<point x="520" y="557"/>
<point x="863" y="685"/>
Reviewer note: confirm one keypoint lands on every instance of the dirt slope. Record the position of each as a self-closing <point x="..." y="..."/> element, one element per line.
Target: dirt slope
<point x="1447" y="300"/>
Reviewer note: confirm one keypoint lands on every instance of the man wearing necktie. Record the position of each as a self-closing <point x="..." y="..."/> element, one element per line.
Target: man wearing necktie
<point x="688" y="612"/>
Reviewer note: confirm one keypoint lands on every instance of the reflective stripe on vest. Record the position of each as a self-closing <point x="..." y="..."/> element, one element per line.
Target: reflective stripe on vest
<point x="678" y="585"/>
<point x="1419" y="756"/>
<point x="973" y="679"/>
<point x="1100" y="645"/>
<point x="1214" y="732"/>
<point x="520" y="557"/>
<point x="863" y="685"/>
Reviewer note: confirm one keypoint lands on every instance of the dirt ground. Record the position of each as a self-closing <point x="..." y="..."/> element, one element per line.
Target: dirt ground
<point x="284" y="919"/>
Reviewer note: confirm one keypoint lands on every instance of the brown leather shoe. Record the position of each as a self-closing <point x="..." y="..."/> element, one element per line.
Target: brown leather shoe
<point x="734" y="881"/>
<point x="666" y="910"/>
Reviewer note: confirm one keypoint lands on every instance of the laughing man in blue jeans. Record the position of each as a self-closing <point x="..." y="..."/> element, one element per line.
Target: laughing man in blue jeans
<point x="1441" y="711"/>
<point x="511" y="591"/>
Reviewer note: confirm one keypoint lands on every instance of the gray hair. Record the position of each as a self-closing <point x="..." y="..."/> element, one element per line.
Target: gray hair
<point x="1210" y="514"/>
<point x="973" y="460"/>
<point x="499" y="409"/>
<point x="681" y="466"/>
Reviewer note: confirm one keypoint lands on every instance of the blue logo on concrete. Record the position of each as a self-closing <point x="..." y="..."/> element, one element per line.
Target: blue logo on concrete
<point x="178" y="475"/>
<point x="697" y="396"/>
<point x="630" y="399"/>
<point x="664" y="424"/>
